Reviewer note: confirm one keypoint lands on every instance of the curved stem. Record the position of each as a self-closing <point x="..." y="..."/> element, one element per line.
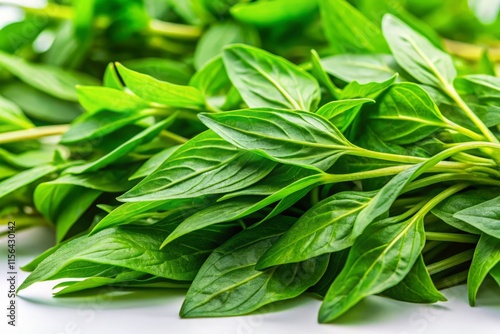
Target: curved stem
<point x="450" y="262"/>
<point x="452" y="237"/>
<point x="173" y="137"/>
<point x="450" y="90"/>
<point x="406" y="159"/>
<point x="464" y="131"/>
<point x="34" y="133"/>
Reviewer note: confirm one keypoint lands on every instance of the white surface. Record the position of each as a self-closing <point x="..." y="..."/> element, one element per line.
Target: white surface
<point x="156" y="311"/>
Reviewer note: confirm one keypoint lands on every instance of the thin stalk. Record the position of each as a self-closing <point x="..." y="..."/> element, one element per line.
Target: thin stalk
<point x="445" y="177"/>
<point x="450" y="262"/>
<point x="464" y="131"/>
<point x="452" y="237"/>
<point x="173" y="137"/>
<point x="430" y="245"/>
<point x="361" y="152"/>
<point x="33" y="133"/>
<point x="452" y="280"/>
<point x="470" y="158"/>
<point x="450" y="90"/>
<point x="441" y="197"/>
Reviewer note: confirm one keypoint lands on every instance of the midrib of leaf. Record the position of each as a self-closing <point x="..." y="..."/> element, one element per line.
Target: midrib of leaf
<point x="432" y="111"/>
<point x="370" y="65"/>
<point x="230" y="287"/>
<point x="287" y="140"/>
<point x="328" y="224"/>
<point x="435" y="71"/>
<point x="388" y="247"/>
<point x="197" y="173"/>
<point x="280" y="88"/>
<point x="407" y="118"/>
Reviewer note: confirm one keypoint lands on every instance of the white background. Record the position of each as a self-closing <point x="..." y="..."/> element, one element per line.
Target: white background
<point x="156" y="310"/>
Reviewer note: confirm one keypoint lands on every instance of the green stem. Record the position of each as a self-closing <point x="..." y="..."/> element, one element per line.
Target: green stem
<point x="441" y="197"/>
<point x="446" y="177"/>
<point x="173" y="137"/>
<point x="315" y="196"/>
<point x="33" y="133"/>
<point x="466" y="132"/>
<point x="452" y="280"/>
<point x="450" y="90"/>
<point x="470" y="158"/>
<point x="430" y="245"/>
<point x="450" y="262"/>
<point x="452" y="237"/>
<point x="402" y="158"/>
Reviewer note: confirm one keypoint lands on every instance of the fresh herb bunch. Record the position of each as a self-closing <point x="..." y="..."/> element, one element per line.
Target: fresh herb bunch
<point x="371" y="169"/>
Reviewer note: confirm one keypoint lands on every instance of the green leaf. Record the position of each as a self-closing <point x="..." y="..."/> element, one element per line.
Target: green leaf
<point x="204" y="165"/>
<point x="63" y="205"/>
<point x="162" y="69"/>
<point x="218" y="36"/>
<point x="95" y="282"/>
<point x="95" y="99"/>
<point x="375" y="10"/>
<point x="216" y="213"/>
<point x="161" y="92"/>
<point x="416" y="287"/>
<point x="28" y="159"/>
<point x="128" y="213"/>
<point x="213" y="82"/>
<point x="461" y="201"/>
<point x="142" y="137"/>
<point x="11" y="117"/>
<point x="227" y="284"/>
<point x="335" y="264"/>
<point x="291" y="137"/>
<point x="49" y="79"/>
<point x="265" y="80"/>
<point x="495" y="273"/>
<point x="486" y="257"/>
<point x="96" y="125"/>
<point x="416" y="55"/>
<point x="484" y="216"/>
<point x="280" y="177"/>
<point x="482" y="85"/>
<point x="369" y="90"/>
<point x="154" y="162"/>
<point x="342" y="112"/>
<point x="349" y="31"/>
<point x="135" y="248"/>
<point x="405" y="114"/>
<point x="381" y="258"/>
<point x="325" y="228"/>
<point x="320" y="74"/>
<point x="264" y="14"/>
<point x="24" y="178"/>
<point x="39" y="105"/>
<point x="64" y="200"/>
<point x="361" y="68"/>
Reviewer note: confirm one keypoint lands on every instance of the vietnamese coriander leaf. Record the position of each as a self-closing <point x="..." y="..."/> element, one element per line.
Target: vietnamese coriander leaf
<point x="293" y="137"/>
<point x="205" y="165"/>
<point x="378" y="260"/>
<point x="228" y="284"/>
<point x="486" y="257"/>
<point x="266" y="80"/>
